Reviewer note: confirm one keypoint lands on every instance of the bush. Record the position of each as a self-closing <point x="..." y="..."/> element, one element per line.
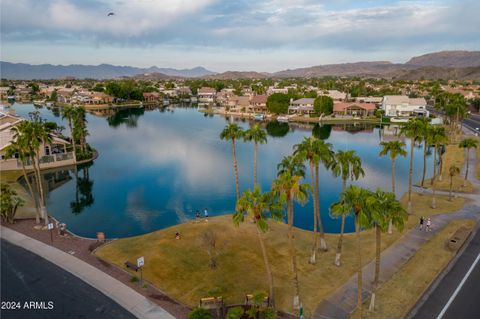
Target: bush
<point x="199" y="313"/>
<point x="323" y="104"/>
<point x="235" y="313"/>
<point x="9" y="203"/>
<point x="278" y="103"/>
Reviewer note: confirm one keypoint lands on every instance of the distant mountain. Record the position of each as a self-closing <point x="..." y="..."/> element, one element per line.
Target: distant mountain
<point x="447" y="59"/>
<point x="436" y="73"/>
<point x="22" y="71"/>
<point x="238" y="75"/>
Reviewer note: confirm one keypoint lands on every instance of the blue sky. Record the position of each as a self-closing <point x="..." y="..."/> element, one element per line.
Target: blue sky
<point x="224" y="35"/>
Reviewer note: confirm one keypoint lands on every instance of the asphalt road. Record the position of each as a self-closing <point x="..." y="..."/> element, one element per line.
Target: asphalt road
<point x="466" y="303"/>
<point x="26" y="277"/>
<point x="472" y="122"/>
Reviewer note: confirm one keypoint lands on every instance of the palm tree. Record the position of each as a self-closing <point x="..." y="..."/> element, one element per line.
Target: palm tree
<point x="231" y="132"/>
<point x="395" y="148"/>
<point x="424" y="135"/>
<point x="436" y="137"/>
<point x="412" y="129"/>
<point x="20" y="147"/>
<point x="347" y="165"/>
<point x="383" y="208"/>
<point x="258" y="136"/>
<point x="468" y="143"/>
<point x="79" y="127"/>
<point x="357" y="199"/>
<point x="452" y="171"/>
<point x="259" y="207"/>
<point x="68" y="113"/>
<point x="290" y="190"/>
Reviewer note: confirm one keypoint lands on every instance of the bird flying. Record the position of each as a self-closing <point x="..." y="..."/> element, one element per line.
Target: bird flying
<point x="110" y="14"/>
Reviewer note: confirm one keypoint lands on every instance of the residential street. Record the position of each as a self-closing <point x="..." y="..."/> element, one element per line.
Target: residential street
<point x="465" y="304"/>
<point x="27" y="277"/>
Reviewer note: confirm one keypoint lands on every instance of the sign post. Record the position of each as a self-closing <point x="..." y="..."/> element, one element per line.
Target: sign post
<point x="50" y="228"/>
<point x="140" y="263"/>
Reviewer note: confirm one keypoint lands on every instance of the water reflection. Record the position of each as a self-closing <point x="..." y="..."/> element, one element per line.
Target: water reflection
<point x="322" y="131"/>
<point x="129" y="117"/>
<point x="83" y="189"/>
<point x="277" y="129"/>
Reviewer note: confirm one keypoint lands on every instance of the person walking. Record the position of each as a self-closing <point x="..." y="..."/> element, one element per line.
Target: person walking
<point x="429" y="225"/>
<point x="206" y="214"/>
<point x="197" y="216"/>
<point x="421" y="222"/>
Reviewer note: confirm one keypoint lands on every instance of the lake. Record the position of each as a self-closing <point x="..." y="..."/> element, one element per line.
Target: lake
<point x="157" y="167"/>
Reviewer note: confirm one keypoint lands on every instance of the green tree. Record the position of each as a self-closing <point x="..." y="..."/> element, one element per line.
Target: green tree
<point x="199" y="313"/>
<point x="256" y="135"/>
<point x="9" y="203"/>
<point x="437" y="136"/>
<point x="54" y="96"/>
<point x="452" y="171"/>
<point x="259" y="207"/>
<point x="323" y="105"/>
<point x="395" y="149"/>
<point x="349" y="166"/>
<point x="383" y="208"/>
<point x="69" y="113"/>
<point x="278" y="103"/>
<point x="413" y="130"/>
<point x="424" y="136"/>
<point x="468" y="143"/>
<point x="232" y="132"/>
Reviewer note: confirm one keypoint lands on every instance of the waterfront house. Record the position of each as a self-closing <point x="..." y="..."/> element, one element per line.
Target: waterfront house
<point x="334" y="94"/>
<point x="54" y="154"/>
<point x="258" y="103"/>
<point x="353" y="109"/>
<point x="404" y="106"/>
<point x="206" y="95"/>
<point x="369" y="99"/>
<point x="301" y="106"/>
<point x="152" y="97"/>
<point x="4" y="92"/>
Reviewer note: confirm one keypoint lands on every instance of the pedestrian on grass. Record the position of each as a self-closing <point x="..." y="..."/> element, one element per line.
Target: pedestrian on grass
<point x="197" y="215"/>
<point x="206" y="214"/>
<point x="421" y="222"/>
<point x="429" y="225"/>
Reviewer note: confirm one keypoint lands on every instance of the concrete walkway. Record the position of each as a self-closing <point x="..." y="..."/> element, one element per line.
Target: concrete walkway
<point x="126" y="297"/>
<point x="341" y="303"/>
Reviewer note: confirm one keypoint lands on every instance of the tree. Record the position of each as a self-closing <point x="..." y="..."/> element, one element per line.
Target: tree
<point x="232" y="132"/>
<point x="278" y="103"/>
<point x="436" y="137"/>
<point x="54" y="96"/>
<point x="413" y="130"/>
<point x="80" y="131"/>
<point x="259" y="207"/>
<point x="468" y="143"/>
<point x="290" y="190"/>
<point x="69" y="113"/>
<point x="395" y="148"/>
<point x="323" y="105"/>
<point x="9" y="203"/>
<point x="355" y="199"/>
<point x="424" y="135"/>
<point x="258" y="136"/>
<point x="383" y="208"/>
<point x="349" y="166"/>
<point x="199" y="313"/>
<point x="452" y="171"/>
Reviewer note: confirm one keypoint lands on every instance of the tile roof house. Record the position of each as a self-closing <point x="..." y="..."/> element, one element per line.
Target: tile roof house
<point x="258" y="103"/>
<point x="206" y="95"/>
<point x="353" y="109"/>
<point x="301" y="106"/>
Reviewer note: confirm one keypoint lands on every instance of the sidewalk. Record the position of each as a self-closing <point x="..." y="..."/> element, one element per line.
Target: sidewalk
<point x="341" y="303"/>
<point x="126" y="297"/>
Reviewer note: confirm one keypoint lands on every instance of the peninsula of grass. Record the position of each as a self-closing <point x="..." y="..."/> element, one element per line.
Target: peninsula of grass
<point x="421" y="204"/>
<point x="453" y="155"/>
<point x="396" y="297"/>
<point x="181" y="269"/>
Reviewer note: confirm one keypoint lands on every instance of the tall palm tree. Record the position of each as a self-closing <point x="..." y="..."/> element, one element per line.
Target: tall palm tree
<point x="20" y="147"/>
<point x="79" y="127"/>
<point x="395" y="148"/>
<point x="290" y="190"/>
<point x="259" y="207"/>
<point x="232" y="132"/>
<point x="452" y="171"/>
<point x="424" y="136"/>
<point x="258" y="136"/>
<point x="412" y="129"/>
<point x="357" y="199"/>
<point x="437" y="136"/>
<point x="347" y="165"/>
<point x="468" y="143"/>
<point x="383" y="208"/>
<point x="68" y="113"/>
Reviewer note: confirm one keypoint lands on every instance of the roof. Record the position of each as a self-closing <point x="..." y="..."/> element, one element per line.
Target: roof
<point x="207" y="90"/>
<point x="341" y="106"/>
<point x="403" y="99"/>
<point x="258" y="99"/>
<point x="304" y="100"/>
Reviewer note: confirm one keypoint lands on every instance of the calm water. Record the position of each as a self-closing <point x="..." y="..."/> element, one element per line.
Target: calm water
<point x="156" y="169"/>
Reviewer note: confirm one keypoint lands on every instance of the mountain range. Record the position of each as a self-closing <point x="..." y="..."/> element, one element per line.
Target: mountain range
<point x="460" y="65"/>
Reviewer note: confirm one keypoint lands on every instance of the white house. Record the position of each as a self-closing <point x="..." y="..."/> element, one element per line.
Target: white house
<point x="403" y="106"/>
<point x="301" y="106"/>
<point x="206" y="95"/>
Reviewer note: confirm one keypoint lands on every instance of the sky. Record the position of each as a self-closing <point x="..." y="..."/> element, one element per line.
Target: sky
<point x="244" y="35"/>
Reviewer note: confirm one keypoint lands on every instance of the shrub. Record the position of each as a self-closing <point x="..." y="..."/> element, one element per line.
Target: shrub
<point x="323" y="104"/>
<point x="199" y="313"/>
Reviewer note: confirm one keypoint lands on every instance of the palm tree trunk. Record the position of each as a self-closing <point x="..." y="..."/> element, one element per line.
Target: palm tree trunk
<point x="323" y="243"/>
<point x="293" y="255"/>
<point x="409" y="207"/>
<point x="313" y="257"/>
<point x="267" y="269"/>
<point x="451" y="188"/>
<point x="235" y="169"/>
<point x="73" y="140"/>
<point x="378" y="241"/>
<point x="338" y="255"/>
<point x="466" y="171"/>
<point x="32" y="194"/>
<point x="43" y="209"/>
<point x="440" y="170"/>
<point x="255" y="164"/>
<point x="424" y="162"/>
<point x="434" y="201"/>
<point x="390" y="226"/>
<point x="359" y="270"/>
